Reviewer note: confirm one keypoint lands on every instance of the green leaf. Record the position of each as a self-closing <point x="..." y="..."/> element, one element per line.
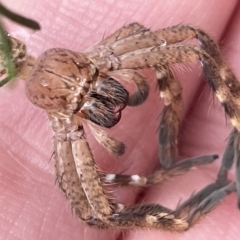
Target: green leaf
<point x="8" y="64"/>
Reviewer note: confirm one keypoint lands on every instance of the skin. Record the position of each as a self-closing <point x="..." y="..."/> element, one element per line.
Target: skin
<point x="32" y="207"/>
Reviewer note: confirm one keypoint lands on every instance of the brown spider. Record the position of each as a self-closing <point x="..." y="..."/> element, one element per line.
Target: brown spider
<point x="76" y="88"/>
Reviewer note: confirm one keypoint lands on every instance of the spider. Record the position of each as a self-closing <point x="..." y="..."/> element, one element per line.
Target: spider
<point x="84" y="88"/>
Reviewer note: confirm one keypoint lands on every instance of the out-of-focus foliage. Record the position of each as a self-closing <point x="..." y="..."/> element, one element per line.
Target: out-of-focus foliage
<point x="4" y="45"/>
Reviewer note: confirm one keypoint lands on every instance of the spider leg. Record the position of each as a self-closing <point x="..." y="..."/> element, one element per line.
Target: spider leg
<point x="213" y="193"/>
<point x="221" y="80"/>
<point x="144" y="38"/>
<point x="155" y="216"/>
<point x="204" y="201"/>
<point x="113" y="146"/>
<point x="229" y="96"/>
<point x="147" y="39"/>
<point x="190" y="211"/>
<point x="218" y="75"/>
<point x="170" y="92"/>
<point x="89" y="178"/>
<point x="68" y="181"/>
<point x="237" y="160"/>
<point x="228" y="92"/>
<point x="150" y="216"/>
<point x="230" y="156"/>
<point x="122" y="33"/>
<point x="178" y="168"/>
<point x="77" y="174"/>
<point x="135" y="36"/>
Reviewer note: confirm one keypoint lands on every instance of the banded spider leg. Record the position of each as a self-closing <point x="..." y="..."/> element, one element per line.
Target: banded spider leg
<point x="76" y="87"/>
<point x="217" y="74"/>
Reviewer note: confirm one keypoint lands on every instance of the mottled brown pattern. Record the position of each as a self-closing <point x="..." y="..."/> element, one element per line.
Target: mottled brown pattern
<point x="76" y="88"/>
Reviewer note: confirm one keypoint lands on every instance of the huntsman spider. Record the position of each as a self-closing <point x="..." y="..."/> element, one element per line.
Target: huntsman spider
<point x="76" y="88"/>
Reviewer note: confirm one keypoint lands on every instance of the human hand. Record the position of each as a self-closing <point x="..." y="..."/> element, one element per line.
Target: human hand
<point x="32" y="207"/>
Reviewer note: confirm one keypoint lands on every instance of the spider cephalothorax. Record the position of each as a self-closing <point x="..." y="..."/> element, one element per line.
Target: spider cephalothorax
<point x="85" y="87"/>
